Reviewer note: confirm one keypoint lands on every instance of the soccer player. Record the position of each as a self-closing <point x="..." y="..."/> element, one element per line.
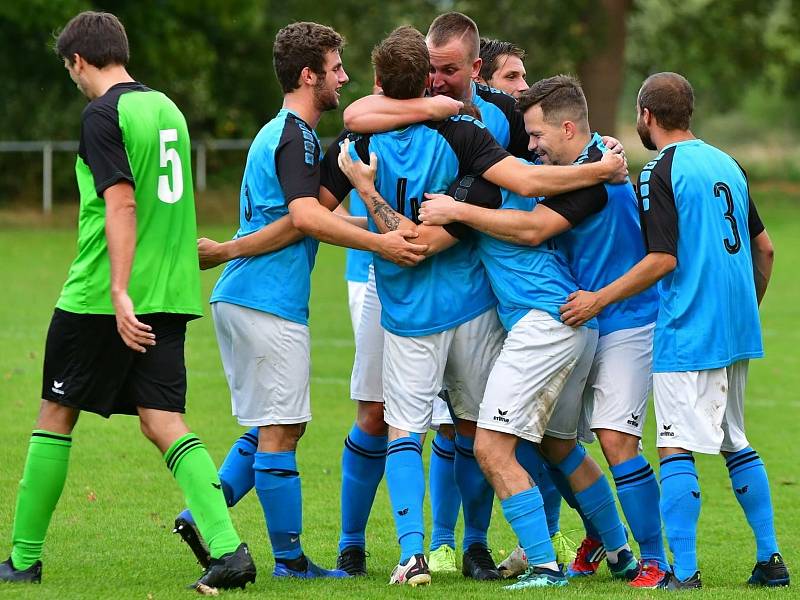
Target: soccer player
<point x="431" y="312"/>
<point x="116" y="339"/>
<point x="600" y="234"/>
<point x="702" y="235"/>
<point x="502" y="67"/>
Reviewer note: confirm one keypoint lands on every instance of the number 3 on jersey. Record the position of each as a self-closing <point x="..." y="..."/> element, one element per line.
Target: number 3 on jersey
<point x="722" y="189"/>
<point x="169" y="157"/>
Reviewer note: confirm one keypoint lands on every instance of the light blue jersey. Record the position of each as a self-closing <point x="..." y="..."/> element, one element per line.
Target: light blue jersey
<point x="282" y="165"/>
<point x="357" y="262"/>
<point x="696" y="206"/>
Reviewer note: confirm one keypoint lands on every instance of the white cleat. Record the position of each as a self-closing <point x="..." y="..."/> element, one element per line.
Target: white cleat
<point x="415" y="572"/>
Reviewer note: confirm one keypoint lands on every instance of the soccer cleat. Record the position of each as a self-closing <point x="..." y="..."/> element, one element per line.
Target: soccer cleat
<point x="626" y="567"/>
<point x="10" y="574"/>
<point x="477" y="563"/>
<point x="650" y="573"/>
<point x="415" y="572"/>
<point x="231" y="570"/>
<point x="771" y="573"/>
<point x="672" y="583"/>
<point x="186" y="528"/>
<point x="443" y="560"/>
<point x="538" y="577"/>
<point x="353" y="561"/>
<point x="303" y="568"/>
<point x="515" y="564"/>
<point x="566" y="549"/>
<point x="588" y="558"/>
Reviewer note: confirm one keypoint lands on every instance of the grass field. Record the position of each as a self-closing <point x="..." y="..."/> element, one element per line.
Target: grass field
<point x="110" y="536"/>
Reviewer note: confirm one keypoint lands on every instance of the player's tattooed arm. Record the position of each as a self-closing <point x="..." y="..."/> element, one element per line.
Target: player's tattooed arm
<point x="386" y="218"/>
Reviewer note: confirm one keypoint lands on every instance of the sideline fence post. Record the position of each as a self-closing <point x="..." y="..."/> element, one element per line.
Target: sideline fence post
<point x="47" y="178"/>
<point x="201" y="166"/>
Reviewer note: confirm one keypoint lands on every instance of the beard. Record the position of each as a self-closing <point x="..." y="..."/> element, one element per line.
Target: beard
<point x="644" y="135"/>
<point x="324" y="97"/>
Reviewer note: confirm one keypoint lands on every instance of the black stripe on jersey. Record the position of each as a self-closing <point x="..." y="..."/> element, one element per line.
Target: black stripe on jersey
<point x="471" y="141"/>
<point x="518" y="137"/>
<point x="658" y="214"/>
<point x="297" y="160"/>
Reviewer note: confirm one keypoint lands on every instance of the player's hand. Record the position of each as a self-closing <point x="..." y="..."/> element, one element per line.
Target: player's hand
<point x="581" y="306"/>
<point x="211" y="253"/>
<point x="442" y="107"/>
<point x="438" y="209"/>
<point x="616" y="167"/>
<point x="395" y="247"/>
<point x="360" y="175"/>
<point x="133" y="332"/>
<point x="612" y="144"/>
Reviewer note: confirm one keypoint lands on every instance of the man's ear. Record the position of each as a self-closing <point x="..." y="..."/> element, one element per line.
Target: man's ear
<point x="569" y="129"/>
<point x="308" y="77"/>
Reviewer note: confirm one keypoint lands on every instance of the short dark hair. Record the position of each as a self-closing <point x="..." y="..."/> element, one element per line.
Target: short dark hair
<point x="491" y="51"/>
<point x="561" y="99"/>
<point x="455" y="25"/>
<point x="402" y="63"/>
<point x="97" y="37"/>
<point x="300" y="45"/>
<point x="669" y="98"/>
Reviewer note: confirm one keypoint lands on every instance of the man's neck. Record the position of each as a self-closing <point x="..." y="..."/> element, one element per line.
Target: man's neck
<point x="107" y="78"/>
<point x="663" y="137"/>
<point x="577" y="146"/>
<point x="302" y="104"/>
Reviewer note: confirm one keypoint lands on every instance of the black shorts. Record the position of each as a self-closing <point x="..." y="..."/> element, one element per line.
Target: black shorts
<point x="87" y="365"/>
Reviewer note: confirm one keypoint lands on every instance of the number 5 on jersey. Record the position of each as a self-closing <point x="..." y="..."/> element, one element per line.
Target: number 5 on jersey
<point x="169" y="157"/>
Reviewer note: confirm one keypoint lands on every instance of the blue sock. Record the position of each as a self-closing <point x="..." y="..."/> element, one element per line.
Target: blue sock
<point x="680" y="511"/>
<point x="236" y="473"/>
<point x="363" y="463"/>
<point x="278" y="488"/>
<point x="565" y="490"/>
<point x="751" y="488"/>
<point x="525" y="513"/>
<point x="445" y="498"/>
<point x="533" y="462"/>
<point x="637" y="490"/>
<point x="597" y="503"/>
<point x="405" y="478"/>
<point x="476" y="493"/>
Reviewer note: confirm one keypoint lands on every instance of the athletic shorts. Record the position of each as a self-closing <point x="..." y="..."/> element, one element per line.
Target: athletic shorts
<point x="615" y="396"/>
<point x="701" y="411"/>
<point x="267" y="362"/>
<point x="415" y="369"/>
<point x="441" y="413"/>
<point x="537" y="358"/>
<point x="87" y="365"/>
<point x="355" y="301"/>
<point x="366" y="380"/>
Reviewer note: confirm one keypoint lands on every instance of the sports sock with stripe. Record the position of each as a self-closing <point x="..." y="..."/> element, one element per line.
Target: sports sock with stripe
<point x="277" y="483"/>
<point x="751" y="488"/>
<point x="638" y="493"/>
<point x="533" y="462"/>
<point x="39" y="490"/>
<point x="525" y="513"/>
<point x="236" y="473"/>
<point x="445" y="497"/>
<point x="477" y="494"/>
<point x="405" y="478"/>
<point x="363" y="463"/>
<point x="565" y="490"/>
<point x="196" y="475"/>
<point x="680" y="511"/>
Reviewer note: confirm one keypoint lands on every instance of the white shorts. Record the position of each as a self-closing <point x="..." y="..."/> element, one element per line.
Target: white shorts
<point x="355" y="300"/>
<point x="615" y="396"/>
<point x="538" y="357"/>
<point x="267" y="362"/>
<point x="415" y="369"/>
<point x="441" y="414"/>
<point x="701" y="411"/>
<point x="366" y="380"/>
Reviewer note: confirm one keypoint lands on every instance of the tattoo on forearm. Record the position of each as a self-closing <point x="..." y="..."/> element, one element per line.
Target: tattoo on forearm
<point x="383" y="212"/>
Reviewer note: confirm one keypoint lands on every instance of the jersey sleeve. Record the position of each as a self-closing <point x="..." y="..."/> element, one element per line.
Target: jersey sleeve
<point x="473" y="144"/>
<point x="755" y="225"/>
<point x="476" y="191"/>
<point x="579" y="205"/>
<point x="518" y="144"/>
<point x="332" y="177"/>
<point x="658" y="213"/>
<point x="297" y="162"/>
<point x="102" y="149"/>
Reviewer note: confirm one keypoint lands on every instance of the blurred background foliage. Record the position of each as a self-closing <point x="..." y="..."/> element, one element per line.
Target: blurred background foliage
<point x="214" y="58"/>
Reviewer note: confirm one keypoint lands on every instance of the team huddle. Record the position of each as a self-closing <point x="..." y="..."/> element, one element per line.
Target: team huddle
<point x="510" y="289"/>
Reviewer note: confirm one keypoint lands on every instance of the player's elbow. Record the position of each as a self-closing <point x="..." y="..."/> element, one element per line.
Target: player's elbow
<point x="763" y="250"/>
<point x="666" y="263"/>
<point x="305" y="222"/>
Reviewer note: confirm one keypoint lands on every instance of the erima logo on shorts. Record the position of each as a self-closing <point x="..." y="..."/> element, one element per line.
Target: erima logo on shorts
<point x="56" y="389"/>
<point x="634" y="420"/>
<point x="501" y="416"/>
<point x="667" y="432"/>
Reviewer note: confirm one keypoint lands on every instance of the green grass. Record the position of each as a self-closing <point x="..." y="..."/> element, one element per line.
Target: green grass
<point x="110" y="536"/>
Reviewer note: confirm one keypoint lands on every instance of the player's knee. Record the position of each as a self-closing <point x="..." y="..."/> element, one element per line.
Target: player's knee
<point x="447" y="431"/>
<point x="370" y="418"/>
<point x="56" y="418"/>
<point x="618" y="447"/>
<point x="556" y="450"/>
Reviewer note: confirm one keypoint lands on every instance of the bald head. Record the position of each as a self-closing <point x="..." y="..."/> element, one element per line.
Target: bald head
<point x="669" y="98"/>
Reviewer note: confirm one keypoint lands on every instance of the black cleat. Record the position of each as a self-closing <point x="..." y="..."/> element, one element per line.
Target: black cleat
<point x="672" y="583"/>
<point x="231" y="570"/>
<point x="10" y="574"/>
<point x="186" y="528"/>
<point x="353" y="561"/>
<point x="477" y="563"/>
<point x="770" y="573"/>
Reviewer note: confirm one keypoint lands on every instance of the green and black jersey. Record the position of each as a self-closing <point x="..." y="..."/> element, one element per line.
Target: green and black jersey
<point x="138" y="135"/>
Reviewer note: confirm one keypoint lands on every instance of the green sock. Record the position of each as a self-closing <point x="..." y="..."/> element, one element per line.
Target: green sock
<point x="42" y="482"/>
<point x="195" y="472"/>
